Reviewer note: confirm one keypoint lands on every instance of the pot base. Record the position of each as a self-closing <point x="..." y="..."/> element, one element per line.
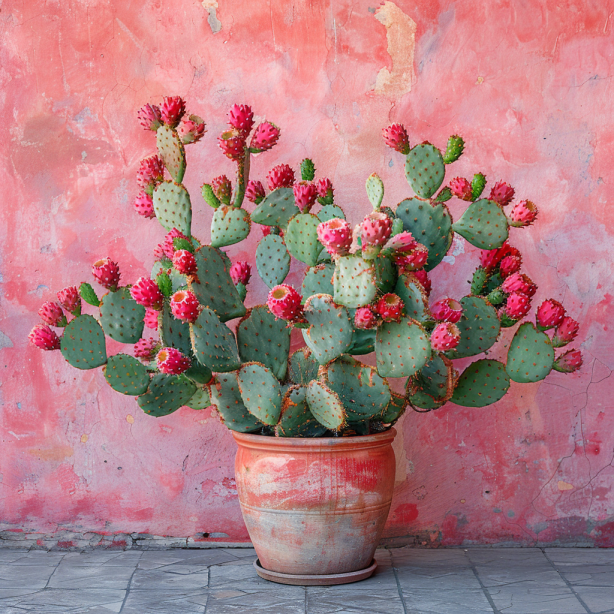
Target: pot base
<point x="316" y="579"/>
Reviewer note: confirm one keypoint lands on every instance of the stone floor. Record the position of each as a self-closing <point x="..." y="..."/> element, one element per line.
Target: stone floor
<point x="408" y="581"/>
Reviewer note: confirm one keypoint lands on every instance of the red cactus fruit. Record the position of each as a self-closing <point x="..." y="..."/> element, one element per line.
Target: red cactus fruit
<point x="517" y="282"/>
<point x="336" y="236"/>
<point x="149" y="117"/>
<point x="191" y="129"/>
<point x="502" y="193"/>
<point x="232" y="143"/>
<point x="550" y="313"/>
<point x="70" y="299"/>
<point x="254" y="192"/>
<point x="222" y="188"/>
<point x="305" y="194"/>
<point x="143" y="204"/>
<point x="146" y="349"/>
<point x="390" y="307"/>
<point x="447" y="310"/>
<point x="184" y="262"/>
<point x="565" y="332"/>
<point x="172" y="110"/>
<point x="376" y="229"/>
<point x="240" y="273"/>
<point x="150" y="173"/>
<point x="44" y="338"/>
<point x="395" y="136"/>
<point x="172" y="362"/>
<point x="461" y="188"/>
<point x="266" y="230"/>
<point x="364" y="318"/>
<point x="185" y="306"/>
<point x="280" y="176"/>
<point x="517" y="305"/>
<point x="151" y="318"/>
<point x="413" y="260"/>
<point x="52" y="314"/>
<point x="490" y="258"/>
<point x="509" y="265"/>
<point x="241" y="117"/>
<point x="569" y="362"/>
<point x="445" y="336"/>
<point x="402" y="242"/>
<point x="422" y="276"/>
<point x="265" y="137"/>
<point x="523" y="213"/>
<point x="285" y="302"/>
<point x="168" y="246"/>
<point x="325" y="188"/>
<point x="106" y="273"/>
<point x="146" y="292"/>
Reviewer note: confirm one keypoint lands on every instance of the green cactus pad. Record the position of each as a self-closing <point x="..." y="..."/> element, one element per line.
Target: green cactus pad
<point x="395" y="409"/>
<point x="83" y="343"/>
<point x="483" y="224"/>
<point x="480" y="276"/>
<point x="296" y="420"/>
<point x="121" y="316"/>
<point x="401" y="348"/>
<point x="264" y="339"/>
<point x="198" y="373"/>
<point x="329" y="212"/>
<point x="531" y="355"/>
<point x="424" y="169"/>
<point x="272" y="260"/>
<point x="355" y="281"/>
<point x="385" y="273"/>
<point x="174" y="333"/>
<point x="225" y="395"/>
<point x="166" y="394"/>
<point x="363" y="340"/>
<point x="375" y="191"/>
<point x="230" y="225"/>
<point x="318" y="280"/>
<point x="303" y="367"/>
<point x="164" y="283"/>
<point x="444" y="196"/>
<point x="171" y="151"/>
<point x="89" y="295"/>
<point x="200" y="399"/>
<point x="413" y="295"/>
<point x="216" y="289"/>
<point x="260" y="392"/>
<point x="178" y="281"/>
<point x="494" y="281"/>
<point x="209" y="196"/>
<point x="479" y="327"/>
<point x="308" y="170"/>
<point x="482" y="383"/>
<point x="432" y="386"/>
<point x="325" y="405"/>
<point x="430" y="223"/>
<point x="330" y="332"/>
<point x="454" y="149"/>
<point x="173" y="207"/>
<point x="276" y="209"/>
<point x="362" y="391"/>
<point x="213" y="343"/>
<point x="126" y="374"/>
<point x="478" y="183"/>
<point x="301" y="238"/>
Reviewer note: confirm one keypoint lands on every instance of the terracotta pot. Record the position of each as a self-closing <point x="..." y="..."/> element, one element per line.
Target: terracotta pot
<point x="315" y="506"/>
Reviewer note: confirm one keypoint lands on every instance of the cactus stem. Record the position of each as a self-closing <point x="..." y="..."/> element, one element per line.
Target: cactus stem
<point x="242" y="178"/>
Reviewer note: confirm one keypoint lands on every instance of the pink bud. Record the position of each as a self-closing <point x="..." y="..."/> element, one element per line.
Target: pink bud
<point x="172" y="110"/>
<point x="143" y="204"/>
<point x="461" y="188"/>
<point x="569" y="362"/>
<point x="395" y="136"/>
<point x="254" y="192"/>
<point x="447" y="310"/>
<point x="325" y="188"/>
<point x="376" y="228"/>
<point x="149" y="117"/>
<point x="336" y="236"/>
<point x="502" y="193"/>
<point x="150" y="173"/>
<point x="550" y="313"/>
<point x="265" y="137"/>
<point x="44" y="338"/>
<point x="146" y="292"/>
<point x="240" y="273"/>
<point x="565" y="332"/>
<point x="284" y="303"/>
<point x="106" y="273"/>
<point x="146" y="349"/>
<point x="222" y="188"/>
<point x="364" y="318"/>
<point x="191" y="129"/>
<point x="185" y="306"/>
<point x="422" y="276"/>
<point x="390" y="307"/>
<point x="401" y="243"/>
<point x="517" y="305"/>
<point x="281" y="176"/>
<point x="241" y="117"/>
<point x="304" y="195"/>
<point x="70" y="299"/>
<point x="52" y="314"/>
<point x="490" y="258"/>
<point x="151" y="318"/>
<point x="412" y="261"/>
<point x="517" y="282"/>
<point x="172" y="362"/>
<point x="523" y="213"/>
<point x="184" y="262"/>
<point x="168" y="243"/>
<point x="232" y="144"/>
<point x="446" y="336"/>
<point x="509" y="265"/>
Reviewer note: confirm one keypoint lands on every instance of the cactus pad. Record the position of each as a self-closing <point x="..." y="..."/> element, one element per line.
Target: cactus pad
<point x="385" y="273"/>
<point x="260" y="392"/>
<point x="83" y="344"/>
<point x="433" y="385"/>
<point x="325" y="405"/>
<point x="264" y="339"/>
<point x="303" y="367"/>
<point x="401" y="348"/>
<point x="126" y="374"/>
<point x="200" y="399"/>
<point x="483" y="224"/>
<point x="166" y="394"/>
<point x="174" y="333"/>
<point x="272" y="260"/>
<point x="362" y="391"/>
<point x="363" y="340"/>
<point x="301" y="238"/>
<point x="213" y="343"/>
<point x="216" y="289"/>
<point x="375" y="191"/>
<point x="178" y="280"/>
<point x="395" y="409"/>
<point x="413" y="295"/>
<point x="229" y="226"/>
<point x="430" y="223"/>
<point x="329" y="212"/>
<point x="225" y="395"/>
<point x="479" y="327"/>
<point x="173" y="207"/>
<point x="121" y="316"/>
<point x="482" y="383"/>
<point x="318" y="280"/>
<point x="198" y="373"/>
<point x="171" y="151"/>
<point x="531" y="355"/>
<point x="355" y="281"/>
<point x="330" y="332"/>
<point x="424" y="169"/>
<point x="276" y="209"/>
<point x="296" y="420"/>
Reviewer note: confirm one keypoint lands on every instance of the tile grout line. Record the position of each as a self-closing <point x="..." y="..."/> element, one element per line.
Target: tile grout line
<point x="53" y="573"/>
<point x="567" y="583"/>
<point x="306" y="605"/>
<point x="484" y="589"/>
<point x="399" y="589"/>
<point x="136" y="566"/>
<point x="209" y="585"/>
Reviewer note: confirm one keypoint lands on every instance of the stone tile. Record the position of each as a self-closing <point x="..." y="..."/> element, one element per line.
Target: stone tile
<point x="62" y="601"/>
<point x="488" y="556"/>
<point x="437" y="579"/>
<point x="163" y="601"/>
<point x="281" y="600"/>
<point x="587" y="575"/>
<point x="69" y="575"/>
<point x="128" y="558"/>
<point x="580" y="556"/>
<point x="9" y="555"/>
<point x="239" y="577"/>
<point x="428" y="558"/>
<point x="507" y="572"/>
<point x="240" y="552"/>
<point x="322" y="600"/>
<point x="25" y="576"/>
<point x="202" y="558"/>
<point x="534" y="598"/>
<point x="38" y="557"/>
<point x="597" y="598"/>
<point x="428" y="601"/>
<point x="169" y="578"/>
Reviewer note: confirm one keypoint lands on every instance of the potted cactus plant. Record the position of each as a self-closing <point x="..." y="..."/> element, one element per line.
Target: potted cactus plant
<point x="315" y="467"/>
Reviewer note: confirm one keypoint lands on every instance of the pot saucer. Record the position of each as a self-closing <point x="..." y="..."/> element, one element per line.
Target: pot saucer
<point x="316" y="579"/>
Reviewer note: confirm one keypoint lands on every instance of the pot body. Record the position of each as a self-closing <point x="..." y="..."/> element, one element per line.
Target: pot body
<point x="315" y="505"/>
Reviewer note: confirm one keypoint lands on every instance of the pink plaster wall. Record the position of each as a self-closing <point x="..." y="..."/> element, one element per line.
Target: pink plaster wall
<point x="527" y="84"/>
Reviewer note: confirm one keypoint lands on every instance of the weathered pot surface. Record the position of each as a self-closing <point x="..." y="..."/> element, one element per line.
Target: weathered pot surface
<point x="315" y="506"/>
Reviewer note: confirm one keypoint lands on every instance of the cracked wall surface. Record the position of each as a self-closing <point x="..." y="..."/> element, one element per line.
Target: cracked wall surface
<point x="527" y="85"/>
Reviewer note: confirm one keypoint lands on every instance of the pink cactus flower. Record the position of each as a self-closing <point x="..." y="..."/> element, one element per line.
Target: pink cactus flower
<point x="172" y="110"/>
<point x="364" y="318"/>
<point x="52" y="314"/>
<point x="502" y="193"/>
<point x="172" y="362"/>
<point x="390" y="307"/>
<point x="44" y="338"/>
<point x="284" y="303"/>
<point x="70" y="299"/>
<point x="395" y="136"/>
<point x="461" y="188"/>
<point x="241" y="117"/>
<point x="281" y="176"/>
<point x="568" y="362"/>
<point x="106" y="272"/>
<point x="523" y="213"/>
<point x="565" y="332"/>
<point x="149" y="117"/>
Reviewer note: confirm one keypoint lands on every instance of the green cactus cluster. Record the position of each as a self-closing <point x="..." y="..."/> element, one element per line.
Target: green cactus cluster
<point x="244" y="370"/>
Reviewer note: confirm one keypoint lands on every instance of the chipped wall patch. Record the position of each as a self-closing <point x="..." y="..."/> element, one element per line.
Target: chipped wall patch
<point x="211" y="7"/>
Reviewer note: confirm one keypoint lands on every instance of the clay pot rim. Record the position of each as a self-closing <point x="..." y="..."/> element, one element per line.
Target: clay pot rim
<point x="331" y="444"/>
